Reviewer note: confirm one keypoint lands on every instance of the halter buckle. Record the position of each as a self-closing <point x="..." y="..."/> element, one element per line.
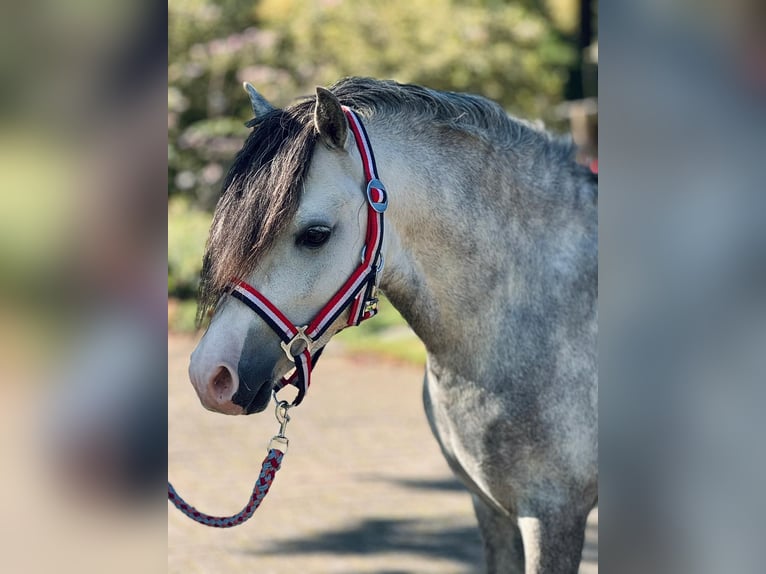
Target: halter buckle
<point x="371" y="306"/>
<point x="299" y="336"/>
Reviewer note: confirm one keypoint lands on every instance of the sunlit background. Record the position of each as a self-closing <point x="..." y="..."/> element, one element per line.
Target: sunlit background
<point x="83" y="138"/>
<point x="539" y="60"/>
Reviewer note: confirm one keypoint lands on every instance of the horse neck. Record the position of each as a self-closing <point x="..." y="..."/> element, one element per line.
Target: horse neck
<point x="473" y="231"/>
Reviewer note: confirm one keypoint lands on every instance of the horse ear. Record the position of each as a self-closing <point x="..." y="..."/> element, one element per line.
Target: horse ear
<point x="329" y="119"/>
<point x="260" y="106"/>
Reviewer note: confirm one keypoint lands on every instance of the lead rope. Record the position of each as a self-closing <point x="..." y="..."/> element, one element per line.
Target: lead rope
<point x="271" y="464"/>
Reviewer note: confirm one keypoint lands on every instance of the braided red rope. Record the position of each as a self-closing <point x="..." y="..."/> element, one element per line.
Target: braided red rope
<point x="269" y="468"/>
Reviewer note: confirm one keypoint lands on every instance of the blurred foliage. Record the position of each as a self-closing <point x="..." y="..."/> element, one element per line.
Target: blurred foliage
<point x="187" y="233"/>
<point x="516" y="53"/>
<point x="387" y="334"/>
<point x="182" y="315"/>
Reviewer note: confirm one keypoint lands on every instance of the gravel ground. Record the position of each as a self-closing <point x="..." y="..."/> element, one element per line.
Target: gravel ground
<point x="363" y="488"/>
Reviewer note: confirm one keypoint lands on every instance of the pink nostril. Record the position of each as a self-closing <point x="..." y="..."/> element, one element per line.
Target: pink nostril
<point x="222" y="385"/>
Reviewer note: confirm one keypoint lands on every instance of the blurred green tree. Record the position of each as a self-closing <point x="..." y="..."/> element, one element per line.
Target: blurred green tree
<point x="517" y="53"/>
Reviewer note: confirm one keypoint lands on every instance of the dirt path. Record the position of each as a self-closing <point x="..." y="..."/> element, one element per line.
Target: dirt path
<point x="363" y="489"/>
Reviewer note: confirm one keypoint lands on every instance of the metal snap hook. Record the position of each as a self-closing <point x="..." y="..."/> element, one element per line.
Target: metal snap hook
<point x="279" y="441"/>
<point x="282" y="417"/>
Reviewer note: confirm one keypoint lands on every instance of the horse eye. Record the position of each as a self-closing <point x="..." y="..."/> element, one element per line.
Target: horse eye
<point x="314" y="237"/>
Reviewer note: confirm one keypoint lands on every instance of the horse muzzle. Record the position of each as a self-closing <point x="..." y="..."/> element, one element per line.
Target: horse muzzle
<point x="234" y="388"/>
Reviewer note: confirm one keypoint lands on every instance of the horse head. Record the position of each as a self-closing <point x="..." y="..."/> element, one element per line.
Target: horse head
<point x="290" y="223"/>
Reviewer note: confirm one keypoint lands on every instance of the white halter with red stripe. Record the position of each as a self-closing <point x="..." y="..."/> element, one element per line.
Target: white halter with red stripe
<point x="358" y="292"/>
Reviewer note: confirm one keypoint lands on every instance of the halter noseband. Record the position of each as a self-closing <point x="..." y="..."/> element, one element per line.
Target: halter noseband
<point x="359" y="291"/>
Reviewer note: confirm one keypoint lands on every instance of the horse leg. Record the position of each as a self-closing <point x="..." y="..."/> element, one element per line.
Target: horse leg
<point x="553" y="538"/>
<point x="503" y="549"/>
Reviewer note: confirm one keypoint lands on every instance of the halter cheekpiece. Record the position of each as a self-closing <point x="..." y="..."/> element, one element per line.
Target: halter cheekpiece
<point x="359" y="293"/>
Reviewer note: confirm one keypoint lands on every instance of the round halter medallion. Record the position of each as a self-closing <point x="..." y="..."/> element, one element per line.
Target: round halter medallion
<point x="381" y="203"/>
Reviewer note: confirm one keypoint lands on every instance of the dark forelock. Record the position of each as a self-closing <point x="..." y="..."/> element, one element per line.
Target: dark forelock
<point x="260" y="197"/>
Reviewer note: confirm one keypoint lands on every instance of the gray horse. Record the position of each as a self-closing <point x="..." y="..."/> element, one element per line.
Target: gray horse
<point x="490" y="253"/>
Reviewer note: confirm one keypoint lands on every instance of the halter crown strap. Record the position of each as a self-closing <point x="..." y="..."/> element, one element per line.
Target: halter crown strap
<point x="358" y="292"/>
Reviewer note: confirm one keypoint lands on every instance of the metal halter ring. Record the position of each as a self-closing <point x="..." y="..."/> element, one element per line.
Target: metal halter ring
<point x="380" y="265"/>
<point x="300" y="336"/>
